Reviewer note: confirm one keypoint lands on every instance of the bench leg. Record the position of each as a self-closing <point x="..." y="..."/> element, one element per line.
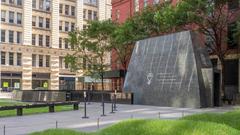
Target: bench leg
<point x="51" y="108"/>
<point x="75" y="107"/>
<point x="19" y="111"/>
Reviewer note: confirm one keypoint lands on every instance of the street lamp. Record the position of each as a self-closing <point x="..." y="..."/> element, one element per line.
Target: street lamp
<point x="85" y="105"/>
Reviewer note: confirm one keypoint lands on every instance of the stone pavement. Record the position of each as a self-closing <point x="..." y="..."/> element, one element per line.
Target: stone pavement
<point x="73" y="119"/>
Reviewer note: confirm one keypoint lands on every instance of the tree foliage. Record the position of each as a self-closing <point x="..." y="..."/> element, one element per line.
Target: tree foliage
<point x="91" y="48"/>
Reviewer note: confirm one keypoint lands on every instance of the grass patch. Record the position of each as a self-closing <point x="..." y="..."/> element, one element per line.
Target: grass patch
<point x="58" y="132"/>
<point x="200" y="124"/>
<point x="231" y="119"/>
<point x="7" y="102"/>
<point x="29" y="111"/>
<point x="155" y="127"/>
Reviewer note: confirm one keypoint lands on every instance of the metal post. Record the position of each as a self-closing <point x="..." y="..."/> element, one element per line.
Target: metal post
<point x="112" y="107"/>
<point x="85" y="105"/>
<point x="4" y="130"/>
<point x="131" y="116"/>
<point x="159" y="115"/>
<point x="98" y="120"/>
<point x="103" y="106"/>
<point x="56" y="124"/>
<point x="182" y="113"/>
<point x="115" y="100"/>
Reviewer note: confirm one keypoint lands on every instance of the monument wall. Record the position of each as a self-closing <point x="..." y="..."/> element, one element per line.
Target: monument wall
<point x="170" y="70"/>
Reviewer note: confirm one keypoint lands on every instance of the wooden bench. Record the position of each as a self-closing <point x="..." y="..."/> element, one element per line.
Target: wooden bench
<point x="51" y="106"/>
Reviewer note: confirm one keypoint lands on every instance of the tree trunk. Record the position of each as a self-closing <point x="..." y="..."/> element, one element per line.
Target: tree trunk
<point x="222" y="82"/>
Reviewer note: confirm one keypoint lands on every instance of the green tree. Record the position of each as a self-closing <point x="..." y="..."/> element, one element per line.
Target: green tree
<point x="91" y="47"/>
<point x="209" y="17"/>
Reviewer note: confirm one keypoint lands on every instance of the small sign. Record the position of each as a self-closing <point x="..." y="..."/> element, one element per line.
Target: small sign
<point x="5" y="84"/>
<point x="45" y="85"/>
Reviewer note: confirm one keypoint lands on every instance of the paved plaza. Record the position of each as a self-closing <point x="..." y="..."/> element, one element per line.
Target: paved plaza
<point x="73" y="119"/>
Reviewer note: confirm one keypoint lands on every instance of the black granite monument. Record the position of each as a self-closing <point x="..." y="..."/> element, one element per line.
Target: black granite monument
<point x="171" y="70"/>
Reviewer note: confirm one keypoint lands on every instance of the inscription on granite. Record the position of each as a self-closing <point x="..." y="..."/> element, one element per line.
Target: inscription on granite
<point x="167" y="71"/>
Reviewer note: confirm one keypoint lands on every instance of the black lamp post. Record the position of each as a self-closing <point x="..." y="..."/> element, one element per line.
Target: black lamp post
<point x="103" y="106"/>
<point x="85" y="105"/>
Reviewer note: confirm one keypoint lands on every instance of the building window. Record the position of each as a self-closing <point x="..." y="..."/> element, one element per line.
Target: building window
<point x="11" y="36"/>
<point x="117" y="14"/>
<point x="47" y="41"/>
<point x="19" y="18"/>
<point x="84" y="14"/>
<point x="47" y="23"/>
<point x="72" y="10"/>
<point x="3" y="58"/>
<point x="145" y="3"/>
<point x="233" y="4"/>
<point x="95" y="15"/>
<point x="11" y="57"/>
<point x="3" y="1"/>
<point x="3" y="15"/>
<point x="72" y="26"/>
<point x="47" y="61"/>
<point x="136" y="4"/>
<point x="34" y="63"/>
<point x="66" y="10"/>
<point x="66" y="26"/>
<point x="66" y="43"/>
<point x="19" y="59"/>
<point x="60" y="25"/>
<point x="19" y="2"/>
<point x="3" y="32"/>
<point x="60" y="62"/>
<point x="11" y="1"/>
<point x="40" y="60"/>
<point x="34" y="21"/>
<point x="33" y="3"/>
<point x="91" y="2"/>
<point x="60" y="42"/>
<point x="48" y="5"/>
<point x="232" y="29"/>
<point x="89" y="14"/>
<point x="66" y="65"/>
<point x="40" y="22"/>
<point x="33" y="39"/>
<point x="19" y="37"/>
<point x="60" y="8"/>
<point x="11" y="17"/>
<point x="40" y="40"/>
<point x="40" y="4"/>
<point x="156" y="2"/>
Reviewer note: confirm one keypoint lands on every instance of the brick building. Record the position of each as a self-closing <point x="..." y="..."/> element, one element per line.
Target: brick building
<point x="123" y="9"/>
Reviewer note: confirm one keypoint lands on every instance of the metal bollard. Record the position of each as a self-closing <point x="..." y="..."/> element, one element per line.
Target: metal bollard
<point x="98" y="123"/>
<point x="4" y="130"/>
<point x="182" y="113"/>
<point x="112" y="108"/>
<point x="131" y="116"/>
<point x="115" y="100"/>
<point x="56" y="124"/>
<point x="159" y="115"/>
<point x="85" y="106"/>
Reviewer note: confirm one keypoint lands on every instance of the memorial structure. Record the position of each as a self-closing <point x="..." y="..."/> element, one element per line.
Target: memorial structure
<point x="171" y="70"/>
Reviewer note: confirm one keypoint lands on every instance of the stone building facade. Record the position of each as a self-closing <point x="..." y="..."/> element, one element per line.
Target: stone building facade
<point x="33" y="41"/>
